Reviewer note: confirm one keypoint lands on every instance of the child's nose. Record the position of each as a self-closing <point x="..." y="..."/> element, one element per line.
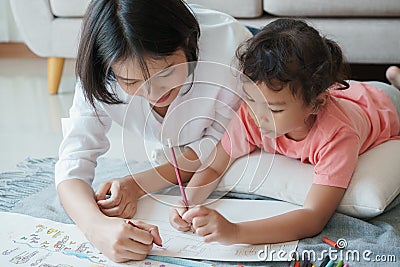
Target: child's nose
<point x="263" y="112"/>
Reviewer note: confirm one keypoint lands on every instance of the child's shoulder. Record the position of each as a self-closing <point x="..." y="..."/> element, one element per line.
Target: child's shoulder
<point x="340" y="114"/>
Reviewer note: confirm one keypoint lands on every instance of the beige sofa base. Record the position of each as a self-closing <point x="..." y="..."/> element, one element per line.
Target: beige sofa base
<point x="363" y="40"/>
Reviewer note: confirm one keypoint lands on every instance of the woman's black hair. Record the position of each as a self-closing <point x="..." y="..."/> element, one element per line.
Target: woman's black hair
<point x="116" y="30"/>
<point x="288" y="51"/>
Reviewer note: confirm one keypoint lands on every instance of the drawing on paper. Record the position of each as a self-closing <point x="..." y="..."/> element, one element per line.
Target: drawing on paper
<point x="189" y="245"/>
<point x="45" y="240"/>
<point x="29" y="241"/>
<point x="50" y="245"/>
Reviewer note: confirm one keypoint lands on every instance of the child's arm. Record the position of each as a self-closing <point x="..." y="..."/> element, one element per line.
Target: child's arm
<point x="207" y="177"/>
<point x="202" y="184"/>
<point x="320" y="204"/>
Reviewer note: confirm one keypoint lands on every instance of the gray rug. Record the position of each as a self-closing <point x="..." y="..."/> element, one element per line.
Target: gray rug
<point x="31" y="191"/>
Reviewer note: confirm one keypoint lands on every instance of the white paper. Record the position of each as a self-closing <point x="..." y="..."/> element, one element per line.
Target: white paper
<point x="29" y="241"/>
<point x="154" y="209"/>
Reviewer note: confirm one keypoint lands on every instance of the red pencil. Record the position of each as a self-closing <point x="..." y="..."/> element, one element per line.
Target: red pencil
<point x="330" y="242"/>
<point x="178" y="175"/>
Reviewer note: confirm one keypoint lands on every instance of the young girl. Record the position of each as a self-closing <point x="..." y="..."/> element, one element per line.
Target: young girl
<point x="301" y="108"/>
<point x="124" y="43"/>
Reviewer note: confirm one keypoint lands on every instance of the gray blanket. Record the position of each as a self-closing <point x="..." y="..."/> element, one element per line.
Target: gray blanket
<point x="375" y="242"/>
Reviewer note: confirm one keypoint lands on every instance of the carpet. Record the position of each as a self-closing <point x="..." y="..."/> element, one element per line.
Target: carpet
<point x="31" y="191"/>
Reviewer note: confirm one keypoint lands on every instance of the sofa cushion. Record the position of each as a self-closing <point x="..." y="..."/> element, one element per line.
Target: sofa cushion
<point x="337" y="8"/>
<point x="8" y="29"/>
<point x="363" y="40"/>
<point x="70" y="8"/>
<point x="235" y="8"/>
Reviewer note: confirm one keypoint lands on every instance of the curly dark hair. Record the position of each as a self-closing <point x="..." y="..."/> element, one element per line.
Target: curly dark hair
<point x="288" y="51"/>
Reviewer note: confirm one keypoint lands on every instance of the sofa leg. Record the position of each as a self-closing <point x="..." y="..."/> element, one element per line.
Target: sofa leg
<point x="55" y="67"/>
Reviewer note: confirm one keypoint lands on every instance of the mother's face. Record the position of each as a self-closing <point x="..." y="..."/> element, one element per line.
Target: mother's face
<point x="167" y="75"/>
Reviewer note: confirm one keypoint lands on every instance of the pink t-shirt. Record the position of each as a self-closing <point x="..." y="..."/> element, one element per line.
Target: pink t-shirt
<point x="353" y="121"/>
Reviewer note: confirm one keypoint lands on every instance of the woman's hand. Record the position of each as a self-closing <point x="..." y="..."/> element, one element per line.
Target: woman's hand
<point x="120" y="241"/>
<point x="124" y="193"/>
<point x="211" y="225"/>
<point x="175" y="217"/>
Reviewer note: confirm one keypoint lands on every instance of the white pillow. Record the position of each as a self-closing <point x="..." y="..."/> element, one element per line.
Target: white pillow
<point x="375" y="183"/>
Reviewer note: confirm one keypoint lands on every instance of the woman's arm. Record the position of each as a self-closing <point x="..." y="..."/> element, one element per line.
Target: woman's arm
<point x="77" y="198"/>
<point x="112" y="236"/>
<point x="164" y="175"/>
<point x="319" y="206"/>
<point x="124" y="192"/>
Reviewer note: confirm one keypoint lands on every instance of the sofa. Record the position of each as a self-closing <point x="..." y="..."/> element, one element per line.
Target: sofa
<point x="8" y="30"/>
<point x="367" y="30"/>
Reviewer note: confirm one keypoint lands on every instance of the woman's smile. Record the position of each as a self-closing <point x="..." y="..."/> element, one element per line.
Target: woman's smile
<point x="162" y="99"/>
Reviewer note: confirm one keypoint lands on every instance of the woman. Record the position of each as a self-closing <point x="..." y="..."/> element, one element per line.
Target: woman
<point x="124" y="43"/>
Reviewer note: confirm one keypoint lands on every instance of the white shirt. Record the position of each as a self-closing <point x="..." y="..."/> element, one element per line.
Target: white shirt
<point x="196" y="118"/>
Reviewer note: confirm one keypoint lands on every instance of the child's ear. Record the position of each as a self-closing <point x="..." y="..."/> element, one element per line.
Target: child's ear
<point x="320" y="101"/>
<point x="323" y="98"/>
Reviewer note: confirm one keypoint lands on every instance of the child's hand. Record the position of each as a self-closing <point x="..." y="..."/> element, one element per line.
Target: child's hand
<point x="122" y="242"/>
<point x="123" y="200"/>
<point x="211" y="225"/>
<point x="175" y="218"/>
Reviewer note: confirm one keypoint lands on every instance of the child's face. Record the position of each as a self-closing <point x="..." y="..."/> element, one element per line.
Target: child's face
<point x="277" y="112"/>
<point x="166" y="78"/>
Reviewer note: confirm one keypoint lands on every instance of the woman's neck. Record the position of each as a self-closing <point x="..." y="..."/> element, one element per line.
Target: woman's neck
<point x="160" y="110"/>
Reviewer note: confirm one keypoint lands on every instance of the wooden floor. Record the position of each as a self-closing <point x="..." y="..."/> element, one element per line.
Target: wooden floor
<point x="360" y="72"/>
<point x="15" y="50"/>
